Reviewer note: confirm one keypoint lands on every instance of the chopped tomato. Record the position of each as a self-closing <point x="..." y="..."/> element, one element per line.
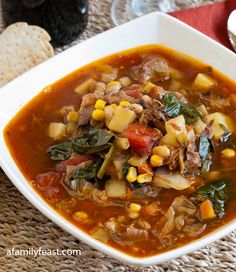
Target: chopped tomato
<point x="145" y="168"/>
<point x="155" y="92"/>
<point x="55" y="193"/>
<point x="141" y="138"/>
<point x="45" y="180"/>
<point x="61" y="167"/>
<point x="134" y="91"/>
<point x="50" y="185"/>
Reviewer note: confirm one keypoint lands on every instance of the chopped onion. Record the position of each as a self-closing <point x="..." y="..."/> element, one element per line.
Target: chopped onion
<point x="169" y="225"/>
<point x="165" y="179"/>
<point x="101" y="235"/>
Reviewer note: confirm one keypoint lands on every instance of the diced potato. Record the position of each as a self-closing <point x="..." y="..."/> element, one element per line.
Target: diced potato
<point x="85" y="86"/>
<point x="57" y="130"/>
<point x="121" y="119"/>
<point x="115" y="188"/>
<point x="203" y="81"/>
<point x="199" y="126"/>
<point x="221" y="122"/>
<point x="174" y="127"/>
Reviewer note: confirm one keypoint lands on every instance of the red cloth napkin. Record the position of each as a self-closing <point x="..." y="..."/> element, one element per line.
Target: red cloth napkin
<point x="210" y="19"/>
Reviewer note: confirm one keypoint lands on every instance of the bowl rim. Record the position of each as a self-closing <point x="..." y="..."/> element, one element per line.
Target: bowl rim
<point x="43" y="207"/>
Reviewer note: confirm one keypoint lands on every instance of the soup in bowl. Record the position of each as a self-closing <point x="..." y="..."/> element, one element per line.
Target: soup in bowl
<point x="136" y="149"/>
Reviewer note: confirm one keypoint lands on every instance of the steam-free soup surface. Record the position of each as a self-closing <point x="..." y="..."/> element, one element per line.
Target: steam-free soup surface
<point x="137" y="149"/>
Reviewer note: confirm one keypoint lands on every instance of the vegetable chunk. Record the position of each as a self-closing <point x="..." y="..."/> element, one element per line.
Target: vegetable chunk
<point x="121" y="119"/>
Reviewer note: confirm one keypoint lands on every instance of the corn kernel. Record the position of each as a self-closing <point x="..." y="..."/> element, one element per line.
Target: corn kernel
<point x="72" y="116"/>
<point x="161" y="150"/>
<point x="122" y="143"/>
<point x="143" y="178"/>
<point x="113" y="86"/>
<point x="98" y="115"/>
<point x="156" y="160"/>
<point x="134" y="207"/>
<point x="132" y="174"/>
<point x="228" y="153"/>
<point x="100" y="104"/>
<point x="80" y="216"/>
<point x="124" y="103"/>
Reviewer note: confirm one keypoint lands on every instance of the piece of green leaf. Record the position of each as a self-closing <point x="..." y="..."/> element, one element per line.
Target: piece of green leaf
<point x="190" y="113"/>
<point x="60" y="152"/>
<point x="205" y="147"/>
<point x="106" y="162"/>
<point x="175" y="107"/>
<point x="216" y="191"/>
<point x="92" y="142"/>
<point x="172" y="105"/>
<point x="125" y="168"/>
<point x="89" y="172"/>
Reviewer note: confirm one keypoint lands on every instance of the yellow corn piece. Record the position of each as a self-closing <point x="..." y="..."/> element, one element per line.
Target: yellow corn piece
<point x="80" y="216"/>
<point x="134" y="207"/>
<point x="98" y="115"/>
<point x="156" y="160"/>
<point x="161" y="150"/>
<point x="72" y="116"/>
<point x="124" y="103"/>
<point x="100" y="104"/>
<point x="143" y="178"/>
<point x="132" y="174"/>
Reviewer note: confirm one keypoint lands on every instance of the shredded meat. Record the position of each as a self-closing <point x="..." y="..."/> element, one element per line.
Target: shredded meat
<point x="154" y="68"/>
<point x="154" y="117"/>
<point x="136" y="234"/>
<point x="208" y="130"/>
<point x="173" y="160"/>
<point x="213" y="101"/>
<point x="193" y="160"/>
<point x="121" y="96"/>
<point x="86" y="108"/>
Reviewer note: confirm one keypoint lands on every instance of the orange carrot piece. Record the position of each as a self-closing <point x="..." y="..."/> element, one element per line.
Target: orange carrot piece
<point x="206" y="210"/>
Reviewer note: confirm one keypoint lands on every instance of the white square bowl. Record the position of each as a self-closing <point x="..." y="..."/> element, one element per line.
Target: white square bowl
<point x="155" y="28"/>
